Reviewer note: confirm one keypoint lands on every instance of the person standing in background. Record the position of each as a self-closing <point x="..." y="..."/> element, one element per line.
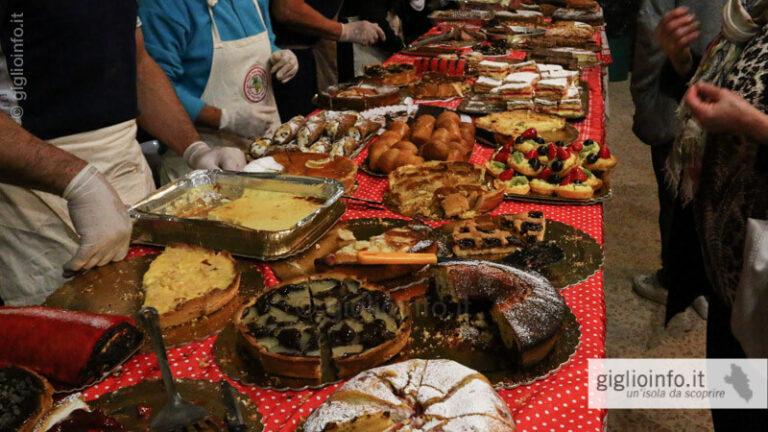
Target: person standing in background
<point x="661" y="69"/>
<point x="353" y="57"/>
<point x="310" y="29"/>
<point x="220" y="57"/>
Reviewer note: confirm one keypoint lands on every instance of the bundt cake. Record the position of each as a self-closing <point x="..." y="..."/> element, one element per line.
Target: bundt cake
<point x="526" y="308"/>
<point x="415" y="395"/>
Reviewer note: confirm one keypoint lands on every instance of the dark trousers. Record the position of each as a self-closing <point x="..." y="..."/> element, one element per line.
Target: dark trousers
<point x="295" y="97"/>
<point x="722" y="344"/>
<point x="682" y="268"/>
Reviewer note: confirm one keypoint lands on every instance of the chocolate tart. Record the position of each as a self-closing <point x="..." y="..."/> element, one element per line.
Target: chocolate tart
<point x="328" y="324"/>
<point x="25" y="397"/>
<point x="357" y="97"/>
<point x="390" y="74"/>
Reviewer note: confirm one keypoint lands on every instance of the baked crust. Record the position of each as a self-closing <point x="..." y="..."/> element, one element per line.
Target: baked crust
<point x="354" y="364"/>
<point x="339" y="168"/>
<point x="514" y="123"/>
<point x="44" y="399"/>
<point x="358" y="97"/>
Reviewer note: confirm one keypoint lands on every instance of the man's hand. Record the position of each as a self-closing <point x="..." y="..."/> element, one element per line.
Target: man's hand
<point x="722" y="111"/>
<point x="249" y="121"/>
<point x="200" y="155"/>
<point x="675" y="33"/>
<point x="284" y="65"/>
<point x="99" y="217"/>
<point x="362" y="32"/>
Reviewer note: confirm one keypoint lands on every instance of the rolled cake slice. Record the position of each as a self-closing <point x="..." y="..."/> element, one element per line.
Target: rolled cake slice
<point x="67" y="347"/>
<point x="185" y="283"/>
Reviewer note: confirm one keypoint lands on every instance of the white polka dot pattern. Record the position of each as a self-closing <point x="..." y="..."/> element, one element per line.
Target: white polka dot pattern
<point x="556" y="403"/>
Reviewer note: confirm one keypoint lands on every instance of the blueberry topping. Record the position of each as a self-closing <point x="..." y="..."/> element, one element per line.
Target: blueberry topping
<point x="540" y="140"/>
<point x="258" y="331"/>
<point x="557" y="166"/>
<point x="534" y="163"/>
<point x="577" y="182"/>
<point x="542" y="150"/>
<point x="343" y="336"/>
<point x="520" y="140"/>
<point x="374" y="333"/>
<point x="530" y="226"/>
<point x="491" y="242"/>
<point x="559" y="143"/>
<point x="592" y="158"/>
<point x="588" y="142"/>
<point x="290" y="338"/>
<point x="535" y="214"/>
<point x="554" y="179"/>
<point x="466" y="243"/>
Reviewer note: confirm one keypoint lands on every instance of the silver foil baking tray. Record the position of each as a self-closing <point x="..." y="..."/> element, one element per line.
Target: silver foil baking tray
<point x="155" y="226"/>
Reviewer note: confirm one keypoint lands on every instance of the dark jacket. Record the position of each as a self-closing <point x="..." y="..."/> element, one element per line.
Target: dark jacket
<point x="656" y="88"/>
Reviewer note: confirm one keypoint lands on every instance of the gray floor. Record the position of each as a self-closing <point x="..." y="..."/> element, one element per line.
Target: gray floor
<point x="635" y="325"/>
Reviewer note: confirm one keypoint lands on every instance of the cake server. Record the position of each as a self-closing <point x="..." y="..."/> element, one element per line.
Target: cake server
<point x="178" y="414"/>
<point x="235" y="422"/>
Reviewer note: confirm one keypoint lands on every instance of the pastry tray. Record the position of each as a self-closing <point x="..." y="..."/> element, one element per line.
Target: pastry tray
<point x="568" y="135"/>
<point x="123" y="404"/>
<point x="426" y="342"/>
<point x="154" y="227"/>
<point x="600" y="195"/>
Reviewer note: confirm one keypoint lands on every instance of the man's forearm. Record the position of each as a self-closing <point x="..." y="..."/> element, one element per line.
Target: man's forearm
<point x="161" y="112"/>
<point x="301" y="17"/>
<point x="30" y="162"/>
<point x="209" y="116"/>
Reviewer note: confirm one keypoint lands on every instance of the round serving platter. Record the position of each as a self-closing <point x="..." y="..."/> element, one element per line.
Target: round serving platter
<point x="115" y="289"/>
<point x="567" y="135"/>
<point x="582" y="255"/>
<point x="123" y="404"/>
<point x="427" y="340"/>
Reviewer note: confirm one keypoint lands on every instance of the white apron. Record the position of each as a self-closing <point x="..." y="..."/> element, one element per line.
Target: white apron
<point x="240" y="76"/>
<point x="36" y="233"/>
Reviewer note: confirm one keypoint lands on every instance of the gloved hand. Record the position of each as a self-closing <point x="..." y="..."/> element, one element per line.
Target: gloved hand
<point x="200" y="155"/>
<point x="361" y="32"/>
<point x="284" y="65"/>
<point x="249" y="121"/>
<point x="100" y="219"/>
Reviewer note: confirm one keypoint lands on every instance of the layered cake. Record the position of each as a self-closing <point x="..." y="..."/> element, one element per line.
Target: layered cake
<point x="525" y="307"/>
<point x="415" y="395"/>
<point x="330" y="324"/>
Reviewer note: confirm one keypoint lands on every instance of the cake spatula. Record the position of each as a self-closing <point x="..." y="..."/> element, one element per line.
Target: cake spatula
<point x="178" y="414"/>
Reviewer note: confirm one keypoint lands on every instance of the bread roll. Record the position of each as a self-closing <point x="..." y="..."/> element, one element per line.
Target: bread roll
<point x="406" y="146"/>
<point x="390" y="136"/>
<point x="422" y="129"/>
<point x="469" y="127"/>
<point x="454" y="133"/>
<point x="375" y="151"/>
<point x="447" y="117"/>
<point x="395" y="158"/>
<point x="401" y="128"/>
<point x="440" y="134"/>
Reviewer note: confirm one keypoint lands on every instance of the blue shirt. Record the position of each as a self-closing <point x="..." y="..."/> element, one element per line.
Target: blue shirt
<point x="177" y="34"/>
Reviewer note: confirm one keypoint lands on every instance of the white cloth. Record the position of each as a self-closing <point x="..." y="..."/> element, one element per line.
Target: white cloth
<point x="36" y="233"/>
<point x="240" y="76"/>
<point x="749" y="317"/>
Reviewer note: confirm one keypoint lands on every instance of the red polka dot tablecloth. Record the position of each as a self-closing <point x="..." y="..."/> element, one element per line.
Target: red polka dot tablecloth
<point x="557" y="403"/>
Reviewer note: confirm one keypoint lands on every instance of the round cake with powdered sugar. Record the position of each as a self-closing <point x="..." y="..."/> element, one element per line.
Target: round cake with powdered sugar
<point x="415" y="395"/>
<point x="526" y="308"/>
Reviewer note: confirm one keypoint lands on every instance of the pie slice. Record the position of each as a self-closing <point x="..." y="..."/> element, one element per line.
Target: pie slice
<point x="185" y="283"/>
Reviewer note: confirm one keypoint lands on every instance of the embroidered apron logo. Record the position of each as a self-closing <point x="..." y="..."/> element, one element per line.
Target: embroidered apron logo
<point x="255" y="85"/>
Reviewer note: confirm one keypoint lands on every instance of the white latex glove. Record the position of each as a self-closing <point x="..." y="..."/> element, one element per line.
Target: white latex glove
<point x="361" y="32"/>
<point x="248" y="121"/>
<point x="200" y="155"/>
<point x="284" y="65"/>
<point x="100" y="219"/>
<point x="417" y="5"/>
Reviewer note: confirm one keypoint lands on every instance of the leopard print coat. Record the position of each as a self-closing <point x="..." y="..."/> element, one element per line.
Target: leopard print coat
<point x="734" y="181"/>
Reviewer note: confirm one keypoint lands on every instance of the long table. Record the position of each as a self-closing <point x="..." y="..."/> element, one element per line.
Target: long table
<point x="558" y="402"/>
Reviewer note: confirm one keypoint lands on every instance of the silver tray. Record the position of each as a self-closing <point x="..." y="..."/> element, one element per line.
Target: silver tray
<point x="153" y="226"/>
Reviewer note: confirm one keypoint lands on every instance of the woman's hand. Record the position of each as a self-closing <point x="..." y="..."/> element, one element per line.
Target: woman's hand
<point x="675" y="33"/>
<point x="722" y="111"/>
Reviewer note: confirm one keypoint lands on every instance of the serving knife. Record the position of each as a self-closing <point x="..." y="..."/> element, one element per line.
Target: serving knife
<point x="235" y="422"/>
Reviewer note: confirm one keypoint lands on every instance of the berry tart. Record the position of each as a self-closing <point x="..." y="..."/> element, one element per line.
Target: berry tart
<point x="526" y="164"/>
<point x="574" y="186"/>
<point x="603" y="160"/>
<point x="563" y="161"/>
<point x="545" y="183"/>
<point x="515" y="182"/>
